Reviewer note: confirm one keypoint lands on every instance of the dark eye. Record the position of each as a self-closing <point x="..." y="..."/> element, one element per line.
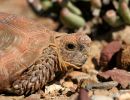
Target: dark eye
<point x="70" y="46"/>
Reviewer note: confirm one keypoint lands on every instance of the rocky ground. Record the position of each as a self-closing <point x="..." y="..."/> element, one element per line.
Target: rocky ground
<point x="104" y="76"/>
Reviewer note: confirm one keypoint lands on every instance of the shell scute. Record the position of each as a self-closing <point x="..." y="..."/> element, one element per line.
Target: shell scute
<point x="21" y="43"/>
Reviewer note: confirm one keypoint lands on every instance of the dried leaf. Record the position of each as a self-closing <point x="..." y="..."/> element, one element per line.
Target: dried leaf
<point x="118" y="75"/>
<point x="108" y="52"/>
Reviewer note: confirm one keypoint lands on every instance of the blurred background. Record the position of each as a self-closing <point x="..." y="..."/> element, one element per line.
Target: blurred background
<point x="106" y="22"/>
<point x="21" y="7"/>
<point x="96" y="18"/>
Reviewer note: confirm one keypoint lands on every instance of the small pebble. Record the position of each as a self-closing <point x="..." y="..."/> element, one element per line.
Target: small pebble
<point x="52" y="88"/>
<point x="33" y="97"/>
<point x="97" y="97"/>
<point x="125" y="96"/>
<point x="68" y="84"/>
<point x="101" y="92"/>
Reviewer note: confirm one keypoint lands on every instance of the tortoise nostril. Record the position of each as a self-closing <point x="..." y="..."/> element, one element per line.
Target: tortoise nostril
<point x="81" y="47"/>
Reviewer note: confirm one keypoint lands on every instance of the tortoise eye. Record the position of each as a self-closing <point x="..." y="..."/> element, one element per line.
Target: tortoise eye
<point x="70" y="46"/>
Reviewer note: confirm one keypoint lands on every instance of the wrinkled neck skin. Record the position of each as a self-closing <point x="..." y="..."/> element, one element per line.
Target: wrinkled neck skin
<point x="63" y="65"/>
<point x="60" y="63"/>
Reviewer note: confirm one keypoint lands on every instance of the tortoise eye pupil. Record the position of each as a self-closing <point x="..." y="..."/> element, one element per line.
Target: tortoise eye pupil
<point x="70" y="46"/>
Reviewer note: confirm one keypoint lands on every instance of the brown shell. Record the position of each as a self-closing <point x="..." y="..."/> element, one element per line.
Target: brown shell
<point x="21" y="43"/>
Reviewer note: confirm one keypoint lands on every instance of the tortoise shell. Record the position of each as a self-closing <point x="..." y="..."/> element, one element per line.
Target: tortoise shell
<point x="21" y="43"/>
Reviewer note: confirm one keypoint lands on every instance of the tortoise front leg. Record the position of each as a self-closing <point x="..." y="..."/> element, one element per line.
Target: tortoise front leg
<point x="37" y="75"/>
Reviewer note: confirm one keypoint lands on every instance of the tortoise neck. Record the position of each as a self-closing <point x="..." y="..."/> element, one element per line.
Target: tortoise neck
<point x="50" y="56"/>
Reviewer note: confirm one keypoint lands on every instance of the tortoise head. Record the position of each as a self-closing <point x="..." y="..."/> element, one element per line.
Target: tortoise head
<point x="74" y="48"/>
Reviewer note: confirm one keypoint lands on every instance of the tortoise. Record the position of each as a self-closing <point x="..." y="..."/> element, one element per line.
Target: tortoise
<point x="31" y="54"/>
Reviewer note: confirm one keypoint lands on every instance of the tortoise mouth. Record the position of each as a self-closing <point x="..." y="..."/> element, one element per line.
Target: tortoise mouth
<point x="80" y="63"/>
